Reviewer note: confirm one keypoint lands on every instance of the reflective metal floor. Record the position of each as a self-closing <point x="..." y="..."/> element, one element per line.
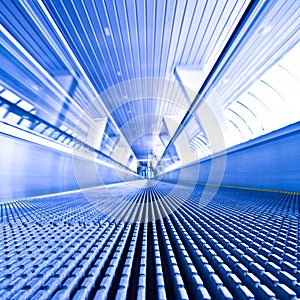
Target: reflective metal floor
<point x="242" y="244"/>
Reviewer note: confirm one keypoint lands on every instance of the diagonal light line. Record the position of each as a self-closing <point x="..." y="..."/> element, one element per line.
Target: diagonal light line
<point x="206" y="30"/>
<point x="254" y="12"/>
<point x="57" y="30"/>
<point x="87" y="37"/>
<point x="232" y="15"/>
<point x="37" y="66"/>
<point x="79" y="39"/>
<point x="266" y="43"/>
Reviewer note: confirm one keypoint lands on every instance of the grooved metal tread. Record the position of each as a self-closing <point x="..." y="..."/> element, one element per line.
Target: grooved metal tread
<point x="241" y="245"/>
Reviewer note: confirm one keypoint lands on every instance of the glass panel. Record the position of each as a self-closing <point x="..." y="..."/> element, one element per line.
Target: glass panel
<point x="10" y="96"/>
<point x="25" y="105"/>
<point x="12" y="118"/>
<point x="263" y="114"/>
<point x="272" y="100"/>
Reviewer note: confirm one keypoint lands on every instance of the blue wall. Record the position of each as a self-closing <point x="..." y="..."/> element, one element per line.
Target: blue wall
<point x="268" y="162"/>
<point x="28" y="169"/>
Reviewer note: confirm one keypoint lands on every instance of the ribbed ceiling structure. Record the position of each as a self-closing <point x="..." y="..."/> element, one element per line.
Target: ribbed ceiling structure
<point x="121" y="69"/>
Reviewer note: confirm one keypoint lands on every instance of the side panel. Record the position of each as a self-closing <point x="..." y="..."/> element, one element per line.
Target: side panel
<point x="269" y="164"/>
<point x="28" y="169"/>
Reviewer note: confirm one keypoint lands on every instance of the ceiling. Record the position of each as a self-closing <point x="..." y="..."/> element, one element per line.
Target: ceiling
<point x="131" y="70"/>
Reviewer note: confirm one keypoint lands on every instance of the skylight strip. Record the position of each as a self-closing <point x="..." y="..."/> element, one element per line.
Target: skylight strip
<point x="97" y="40"/>
<point x="175" y="30"/>
<point x="121" y="41"/>
<point x="161" y="38"/>
<point x="129" y="40"/>
<point x="232" y="18"/>
<point x="250" y="76"/>
<point x="78" y="38"/>
<point x="95" y="56"/>
<point x="10" y="96"/>
<point x="112" y="39"/>
<point x="203" y="38"/>
<point x="137" y="41"/>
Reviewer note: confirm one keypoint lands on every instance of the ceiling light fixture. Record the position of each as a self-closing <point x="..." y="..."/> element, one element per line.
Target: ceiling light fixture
<point x="107" y="31"/>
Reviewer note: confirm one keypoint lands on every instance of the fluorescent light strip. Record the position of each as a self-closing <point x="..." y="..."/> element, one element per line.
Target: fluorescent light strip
<point x="39" y="68"/>
<point x="44" y="72"/>
<point x="57" y="30"/>
<point x="23" y="134"/>
<point x="78" y="38"/>
<point x="10" y="96"/>
<point x="97" y="41"/>
<point x="11" y="130"/>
